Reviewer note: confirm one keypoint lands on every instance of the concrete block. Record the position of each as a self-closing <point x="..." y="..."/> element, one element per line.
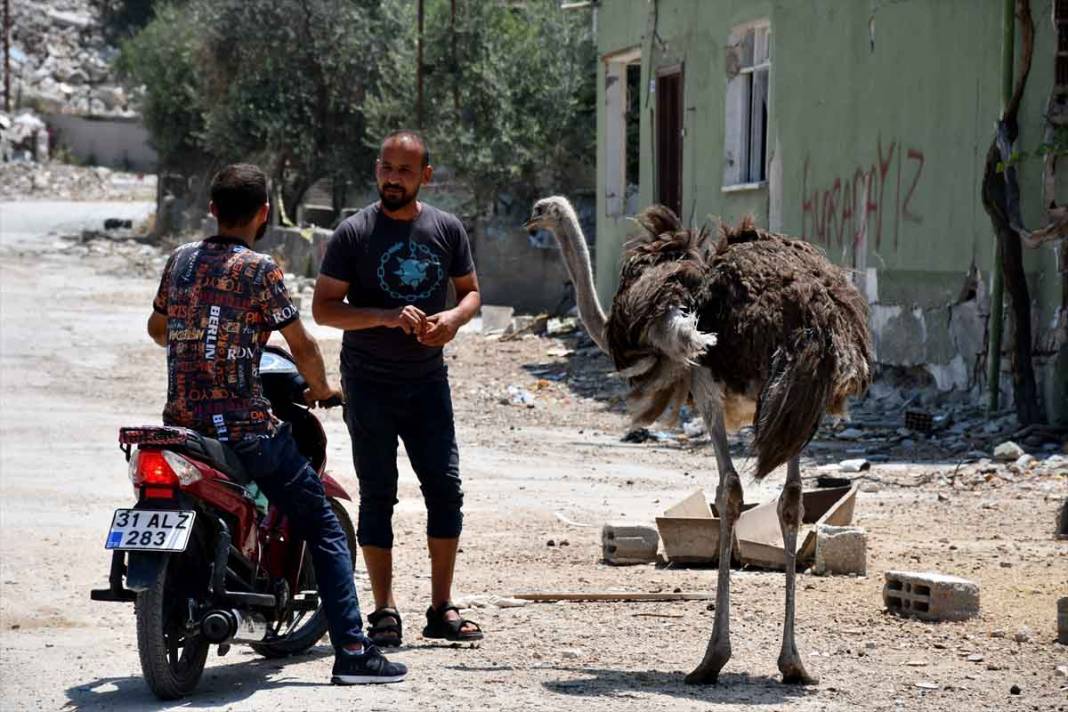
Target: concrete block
<point x="625" y="544"/>
<point x="840" y="550"/>
<point x="931" y="596"/>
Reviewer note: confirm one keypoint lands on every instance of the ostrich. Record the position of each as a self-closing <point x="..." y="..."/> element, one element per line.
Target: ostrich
<point x="757" y="329"/>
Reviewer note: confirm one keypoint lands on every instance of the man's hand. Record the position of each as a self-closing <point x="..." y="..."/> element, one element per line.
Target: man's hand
<point x="314" y="395"/>
<point x="410" y="319"/>
<point x="441" y="328"/>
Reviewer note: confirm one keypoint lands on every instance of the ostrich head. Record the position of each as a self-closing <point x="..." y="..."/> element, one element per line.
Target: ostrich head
<point x="550" y="214"/>
<point x="556" y="215"/>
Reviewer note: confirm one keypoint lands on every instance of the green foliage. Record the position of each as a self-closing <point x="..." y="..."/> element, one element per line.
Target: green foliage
<point x="123" y="19"/>
<point x="162" y="58"/>
<point x="509" y="92"/>
<point x="307" y="88"/>
<point x="1057" y="146"/>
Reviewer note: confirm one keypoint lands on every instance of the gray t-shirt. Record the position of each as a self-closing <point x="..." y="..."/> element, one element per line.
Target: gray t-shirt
<point x="390" y="263"/>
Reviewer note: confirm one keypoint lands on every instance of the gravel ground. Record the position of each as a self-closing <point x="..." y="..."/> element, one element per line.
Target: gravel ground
<point x="75" y="365"/>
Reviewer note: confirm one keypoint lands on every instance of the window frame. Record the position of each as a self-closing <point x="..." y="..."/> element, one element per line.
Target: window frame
<point x="738" y="143"/>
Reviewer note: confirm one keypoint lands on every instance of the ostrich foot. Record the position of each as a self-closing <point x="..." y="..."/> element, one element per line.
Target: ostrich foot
<point x="707" y="673"/>
<point x="793" y="670"/>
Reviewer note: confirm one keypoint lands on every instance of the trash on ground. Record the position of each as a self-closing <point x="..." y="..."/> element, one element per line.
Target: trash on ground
<point x="519" y="396"/>
<point x="690" y="528"/>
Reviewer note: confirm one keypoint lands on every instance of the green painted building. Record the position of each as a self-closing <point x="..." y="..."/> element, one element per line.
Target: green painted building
<point x="859" y="125"/>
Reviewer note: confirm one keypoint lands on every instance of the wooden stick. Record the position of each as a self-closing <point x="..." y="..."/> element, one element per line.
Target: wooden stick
<point x="613" y="596"/>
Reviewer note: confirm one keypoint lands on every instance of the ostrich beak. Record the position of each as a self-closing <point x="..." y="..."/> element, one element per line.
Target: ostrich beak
<point x="531" y="225"/>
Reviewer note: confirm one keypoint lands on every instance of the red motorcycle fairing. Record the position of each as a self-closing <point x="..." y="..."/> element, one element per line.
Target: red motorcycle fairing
<point x="217" y="489"/>
<point x="333" y="488"/>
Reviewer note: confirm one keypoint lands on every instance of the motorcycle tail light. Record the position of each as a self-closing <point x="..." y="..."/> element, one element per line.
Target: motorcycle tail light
<point x="162" y="469"/>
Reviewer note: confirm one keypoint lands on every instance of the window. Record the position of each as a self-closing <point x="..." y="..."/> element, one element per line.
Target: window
<point x="623" y="113"/>
<point x="748" y="68"/>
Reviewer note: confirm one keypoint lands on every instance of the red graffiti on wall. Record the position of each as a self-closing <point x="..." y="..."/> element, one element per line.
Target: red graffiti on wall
<point x="857" y="204"/>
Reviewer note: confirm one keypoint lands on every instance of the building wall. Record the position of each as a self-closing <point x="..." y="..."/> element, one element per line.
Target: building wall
<point x="113" y="142"/>
<point x="880" y="115"/>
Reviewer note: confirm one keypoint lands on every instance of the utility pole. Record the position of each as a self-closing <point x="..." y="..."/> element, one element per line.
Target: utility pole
<point x="7" y="56"/>
<point x="419" y="72"/>
<point x="455" y="62"/>
<point x="997" y="289"/>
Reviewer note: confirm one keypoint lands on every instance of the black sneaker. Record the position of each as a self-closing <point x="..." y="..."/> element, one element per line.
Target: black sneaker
<point x="366" y="668"/>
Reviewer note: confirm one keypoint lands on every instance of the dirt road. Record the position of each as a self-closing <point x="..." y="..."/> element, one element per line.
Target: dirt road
<point x="75" y="365"/>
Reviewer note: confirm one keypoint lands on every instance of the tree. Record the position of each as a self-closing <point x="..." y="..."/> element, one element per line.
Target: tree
<point x="510" y="93"/>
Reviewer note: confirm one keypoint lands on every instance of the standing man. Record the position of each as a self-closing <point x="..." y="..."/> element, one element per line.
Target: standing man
<point x="216" y="306"/>
<point x="384" y="280"/>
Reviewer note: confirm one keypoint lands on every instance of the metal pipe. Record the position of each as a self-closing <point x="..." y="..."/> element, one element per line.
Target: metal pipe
<point x="997" y="289"/>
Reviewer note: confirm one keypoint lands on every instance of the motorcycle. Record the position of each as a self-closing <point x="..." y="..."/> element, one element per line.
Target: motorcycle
<point x="203" y="556"/>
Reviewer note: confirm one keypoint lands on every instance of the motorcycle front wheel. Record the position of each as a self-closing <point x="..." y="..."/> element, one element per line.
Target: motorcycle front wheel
<point x="172" y="655"/>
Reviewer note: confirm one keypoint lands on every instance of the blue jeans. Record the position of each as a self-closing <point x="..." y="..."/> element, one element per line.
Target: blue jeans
<point x="420" y="414"/>
<point x="292" y="485"/>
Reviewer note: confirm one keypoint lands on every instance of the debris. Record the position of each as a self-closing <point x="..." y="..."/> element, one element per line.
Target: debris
<point x="916" y="663"/>
<point x="1061" y="670"/>
<point x="927" y="686"/>
<point x="1008" y="451"/>
<point x="563" y="518"/>
<point x="558" y="327"/>
<point x="1025" y="461"/>
<point x="519" y="396"/>
<point x="571" y="653"/>
<point x="613" y="596"/>
<point x="694" y="428"/>
<point x="918" y="420"/>
<point x="850" y="434"/>
<point x="489" y="601"/>
<point x="496" y="319"/>
<point x="626" y="544"/>
<point x="644" y="435"/>
<point x="855" y="465"/>
<point x="930" y="596"/>
<point x="840" y="550"/>
<point x="975" y="658"/>
<point x="550" y="543"/>
<point x="690" y="531"/>
<point x="1015" y="690"/>
<point x="1023" y="635"/>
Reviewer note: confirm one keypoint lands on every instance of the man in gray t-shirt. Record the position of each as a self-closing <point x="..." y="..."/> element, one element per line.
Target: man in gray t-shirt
<point x="384" y="280"/>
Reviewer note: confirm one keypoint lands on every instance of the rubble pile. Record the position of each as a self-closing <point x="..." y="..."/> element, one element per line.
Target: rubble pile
<point x="61" y="62"/>
<point x="60" y="181"/>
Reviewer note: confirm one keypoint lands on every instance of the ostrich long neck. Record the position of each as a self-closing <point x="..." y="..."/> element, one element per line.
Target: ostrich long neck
<point x="577" y="259"/>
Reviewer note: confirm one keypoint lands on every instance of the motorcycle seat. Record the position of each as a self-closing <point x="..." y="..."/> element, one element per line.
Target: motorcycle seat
<point x="216" y="454"/>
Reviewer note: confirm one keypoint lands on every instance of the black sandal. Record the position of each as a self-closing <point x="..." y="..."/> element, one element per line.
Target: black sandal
<point x="383" y="631"/>
<point x="438" y="627"/>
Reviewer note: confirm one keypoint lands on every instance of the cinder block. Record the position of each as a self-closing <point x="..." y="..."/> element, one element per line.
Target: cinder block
<point x="624" y="544"/>
<point x="840" y="550"/>
<point x="930" y="596"/>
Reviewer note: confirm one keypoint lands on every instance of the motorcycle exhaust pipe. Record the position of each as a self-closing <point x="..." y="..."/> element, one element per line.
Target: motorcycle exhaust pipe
<point x="233" y="626"/>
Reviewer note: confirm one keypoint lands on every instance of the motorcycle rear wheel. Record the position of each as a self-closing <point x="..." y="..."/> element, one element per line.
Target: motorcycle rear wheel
<point x="306" y="634"/>
<point x="172" y="657"/>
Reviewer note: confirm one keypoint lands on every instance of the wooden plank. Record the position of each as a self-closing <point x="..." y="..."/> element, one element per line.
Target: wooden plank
<point x="550" y="597"/>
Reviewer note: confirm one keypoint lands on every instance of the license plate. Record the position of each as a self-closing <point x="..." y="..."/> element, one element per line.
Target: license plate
<point x="146" y="529"/>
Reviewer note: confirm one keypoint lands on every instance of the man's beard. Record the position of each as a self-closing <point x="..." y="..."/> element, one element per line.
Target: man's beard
<point x="393" y="202"/>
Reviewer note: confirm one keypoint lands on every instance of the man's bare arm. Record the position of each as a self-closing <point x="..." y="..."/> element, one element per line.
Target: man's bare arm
<point x="157" y="328"/>
<point x="309" y="358"/>
<point x="329" y="309"/>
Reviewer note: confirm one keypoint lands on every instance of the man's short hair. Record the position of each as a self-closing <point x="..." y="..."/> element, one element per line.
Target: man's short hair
<point x="409" y="135"/>
<point x="238" y="192"/>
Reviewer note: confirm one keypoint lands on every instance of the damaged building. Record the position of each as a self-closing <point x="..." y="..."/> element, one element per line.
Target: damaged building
<point x="860" y="127"/>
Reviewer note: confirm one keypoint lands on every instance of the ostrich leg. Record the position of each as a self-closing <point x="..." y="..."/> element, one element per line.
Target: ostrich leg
<point x="791" y="510"/>
<point x="729" y="504"/>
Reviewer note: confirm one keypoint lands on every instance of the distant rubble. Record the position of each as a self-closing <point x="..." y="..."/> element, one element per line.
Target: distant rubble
<point x="61" y="62"/>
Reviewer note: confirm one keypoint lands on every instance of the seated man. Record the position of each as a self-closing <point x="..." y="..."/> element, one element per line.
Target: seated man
<point x="217" y="303"/>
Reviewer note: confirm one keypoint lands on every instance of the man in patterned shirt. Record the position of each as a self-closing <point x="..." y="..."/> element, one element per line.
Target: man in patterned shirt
<point x="218" y="302"/>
